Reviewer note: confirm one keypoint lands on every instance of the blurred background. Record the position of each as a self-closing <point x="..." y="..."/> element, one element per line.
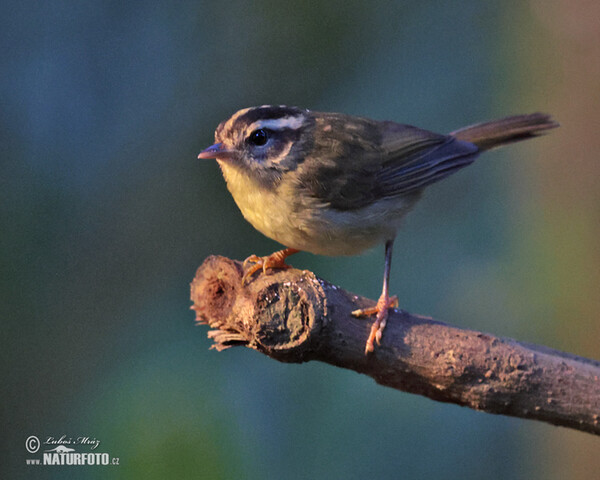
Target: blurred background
<point x="106" y="213"/>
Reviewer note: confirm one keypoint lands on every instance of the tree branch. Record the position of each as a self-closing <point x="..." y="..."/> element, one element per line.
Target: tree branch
<point x="293" y="316"/>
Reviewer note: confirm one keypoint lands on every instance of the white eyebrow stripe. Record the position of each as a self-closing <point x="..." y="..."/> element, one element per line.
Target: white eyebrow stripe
<point x="234" y="117"/>
<point x="293" y="123"/>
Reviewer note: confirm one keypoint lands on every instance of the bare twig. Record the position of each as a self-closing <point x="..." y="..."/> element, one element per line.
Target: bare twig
<point x="293" y="316"/>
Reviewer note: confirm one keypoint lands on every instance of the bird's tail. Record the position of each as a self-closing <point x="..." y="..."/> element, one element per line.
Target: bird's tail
<point x="506" y="130"/>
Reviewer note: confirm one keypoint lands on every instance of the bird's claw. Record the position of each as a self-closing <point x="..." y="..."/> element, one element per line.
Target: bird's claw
<point x="254" y="263"/>
<point x="381" y="310"/>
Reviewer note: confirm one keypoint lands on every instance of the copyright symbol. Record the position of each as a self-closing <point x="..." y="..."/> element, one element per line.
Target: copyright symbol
<point x="32" y="444"/>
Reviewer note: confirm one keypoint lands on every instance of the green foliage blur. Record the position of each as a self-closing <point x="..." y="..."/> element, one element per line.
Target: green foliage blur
<point x="106" y="213"/>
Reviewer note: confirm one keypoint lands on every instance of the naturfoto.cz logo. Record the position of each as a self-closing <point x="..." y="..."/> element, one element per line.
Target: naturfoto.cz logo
<point x="62" y="454"/>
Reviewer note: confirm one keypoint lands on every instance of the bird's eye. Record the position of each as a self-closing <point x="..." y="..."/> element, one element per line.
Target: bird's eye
<point x="259" y="137"/>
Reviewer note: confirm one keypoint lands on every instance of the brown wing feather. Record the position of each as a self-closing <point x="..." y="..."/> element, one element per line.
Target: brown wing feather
<point x="358" y="162"/>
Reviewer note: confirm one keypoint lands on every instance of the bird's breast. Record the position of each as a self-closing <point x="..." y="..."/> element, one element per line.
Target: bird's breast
<point x="264" y="207"/>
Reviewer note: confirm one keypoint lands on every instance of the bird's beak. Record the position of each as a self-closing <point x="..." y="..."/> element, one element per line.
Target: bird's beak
<point x="217" y="150"/>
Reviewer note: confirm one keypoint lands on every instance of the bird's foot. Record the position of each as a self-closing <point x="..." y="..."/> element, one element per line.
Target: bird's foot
<point x="384" y="303"/>
<point x="255" y="263"/>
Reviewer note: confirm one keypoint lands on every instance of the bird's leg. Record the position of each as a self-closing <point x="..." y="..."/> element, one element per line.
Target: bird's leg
<point x="275" y="260"/>
<point x="384" y="303"/>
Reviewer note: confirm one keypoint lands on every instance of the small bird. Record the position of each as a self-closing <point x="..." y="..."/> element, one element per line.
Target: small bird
<point x="335" y="184"/>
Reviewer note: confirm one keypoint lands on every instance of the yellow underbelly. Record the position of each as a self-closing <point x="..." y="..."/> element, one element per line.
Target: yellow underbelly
<point x="310" y="226"/>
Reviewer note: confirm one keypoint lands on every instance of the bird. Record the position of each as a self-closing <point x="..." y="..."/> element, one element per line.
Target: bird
<point x="336" y="184"/>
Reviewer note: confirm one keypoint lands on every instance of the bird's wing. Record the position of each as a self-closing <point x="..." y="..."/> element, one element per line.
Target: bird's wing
<point x="399" y="160"/>
<point x="413" y="158"/>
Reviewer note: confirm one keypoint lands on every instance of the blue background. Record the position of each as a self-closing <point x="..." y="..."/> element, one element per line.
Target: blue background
<point x="106" y="213"/>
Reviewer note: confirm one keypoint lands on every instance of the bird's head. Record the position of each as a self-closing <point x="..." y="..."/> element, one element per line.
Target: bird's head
<point x="262" y="142"/>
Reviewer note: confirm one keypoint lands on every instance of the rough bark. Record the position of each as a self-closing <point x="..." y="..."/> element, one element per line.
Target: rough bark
<point x="294" y="316"/>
